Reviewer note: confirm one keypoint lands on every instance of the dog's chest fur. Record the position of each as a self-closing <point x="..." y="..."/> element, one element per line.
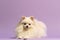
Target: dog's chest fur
<point x="27" y="34"/>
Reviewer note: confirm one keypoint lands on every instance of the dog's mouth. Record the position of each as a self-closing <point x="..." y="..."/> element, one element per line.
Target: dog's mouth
<point x="26" y="28"/>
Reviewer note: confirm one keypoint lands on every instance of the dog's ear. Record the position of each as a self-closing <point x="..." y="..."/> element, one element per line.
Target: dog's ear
<point x="23" y="17"/>
<point x="32" y="17"/>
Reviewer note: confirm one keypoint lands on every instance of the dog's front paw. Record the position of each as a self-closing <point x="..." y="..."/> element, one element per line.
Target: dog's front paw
<point x="25" y="38"/>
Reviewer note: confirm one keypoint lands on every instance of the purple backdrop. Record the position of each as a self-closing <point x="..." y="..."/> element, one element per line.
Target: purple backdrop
<point x="47" y="11"/>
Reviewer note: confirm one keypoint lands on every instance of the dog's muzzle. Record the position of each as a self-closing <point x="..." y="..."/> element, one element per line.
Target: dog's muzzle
<point x="26" y="26"/>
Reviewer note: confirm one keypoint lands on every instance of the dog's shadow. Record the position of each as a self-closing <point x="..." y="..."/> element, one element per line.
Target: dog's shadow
<point x="18" y="38"/>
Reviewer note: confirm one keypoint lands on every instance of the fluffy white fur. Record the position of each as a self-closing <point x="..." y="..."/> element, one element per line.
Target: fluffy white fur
<point x="37" y="28"/>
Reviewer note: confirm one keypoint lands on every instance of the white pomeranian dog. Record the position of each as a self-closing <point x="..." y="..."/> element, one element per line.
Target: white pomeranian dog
<point x="29" y="27"/>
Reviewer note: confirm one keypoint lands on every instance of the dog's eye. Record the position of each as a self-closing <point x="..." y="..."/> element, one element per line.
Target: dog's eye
<point x="29" y="24"/>
<point x="24" y="23"/>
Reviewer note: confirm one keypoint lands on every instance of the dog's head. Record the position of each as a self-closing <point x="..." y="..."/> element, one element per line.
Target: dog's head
<point x="27" y="22"/>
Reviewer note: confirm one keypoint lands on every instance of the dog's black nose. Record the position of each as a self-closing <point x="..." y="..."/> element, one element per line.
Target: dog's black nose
<point x="26" y="26"/>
